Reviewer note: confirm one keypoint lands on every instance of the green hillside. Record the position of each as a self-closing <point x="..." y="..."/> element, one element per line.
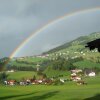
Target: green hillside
<point x="25" y="63"/>
<point x="79" y="41"/>
<point x="87" y="64"/>
<point x="69" y="51"/>
<point x="76" y="49"/>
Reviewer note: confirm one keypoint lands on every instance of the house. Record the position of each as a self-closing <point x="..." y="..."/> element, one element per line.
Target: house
<point x="33" y="82"/>
<point x="76" y="71"/>
<point x="91" y="74"/>
<point x="11" y="82"/>
<point x="10" y="71"/>
<point x="62" y="80"/>
<point x="5" y="82"/>
<point x="39" y="81"/>
<point x="74" y="77"/>
<point x="36" y="82"/>
<point x="22" y="83"/>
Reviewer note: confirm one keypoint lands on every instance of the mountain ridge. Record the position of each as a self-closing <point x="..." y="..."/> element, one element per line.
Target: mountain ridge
<point x="82" y="40"/>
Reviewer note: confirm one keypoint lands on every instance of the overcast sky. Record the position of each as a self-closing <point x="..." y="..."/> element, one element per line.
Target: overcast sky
<point x="21" y="18"/>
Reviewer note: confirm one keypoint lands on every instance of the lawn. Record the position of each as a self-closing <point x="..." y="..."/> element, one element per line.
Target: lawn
<point x="68" y="91"/>
<point x="18" y="75"/>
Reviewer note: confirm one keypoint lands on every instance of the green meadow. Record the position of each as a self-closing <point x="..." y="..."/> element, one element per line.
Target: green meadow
<point x="86" y="64"/>
<point x="68" y="91"/>
<point x="21" y="74"/>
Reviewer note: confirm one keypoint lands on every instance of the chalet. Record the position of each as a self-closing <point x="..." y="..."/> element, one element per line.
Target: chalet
<point x="11" y="71"/>
<point x="11" y="82"/>
<point x="62" y="80"/>
<point x="5" y="82"/>
<point x="91" y="74"/>
<point x="76" y="71"/>
<point x="74" y="77"/>
<point x="33" y="82"/>
<point x="21" y="83"/>
<point x="39" y="81"/>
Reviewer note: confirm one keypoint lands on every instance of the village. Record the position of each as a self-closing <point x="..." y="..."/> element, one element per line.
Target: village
<point x="75" y="75"/>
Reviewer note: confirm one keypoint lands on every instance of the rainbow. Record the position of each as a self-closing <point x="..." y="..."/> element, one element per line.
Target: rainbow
<point x="50" y="24"/>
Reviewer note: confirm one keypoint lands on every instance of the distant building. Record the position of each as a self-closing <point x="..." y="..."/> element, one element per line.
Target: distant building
<point x="11" y="82"/>
<point x="92" y="74"/>
<point x="89" y="72"/>
<point x="38" y="67"/>
<point x="74" y="77"/>
<point x="11" y="70"/>
<point x="76" y="71"/>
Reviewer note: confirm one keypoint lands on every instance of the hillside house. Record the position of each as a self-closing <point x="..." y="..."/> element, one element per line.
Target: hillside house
<point x="74" y="75"/>
<point x="76" y="71"/>
<point x="91" y="74"/>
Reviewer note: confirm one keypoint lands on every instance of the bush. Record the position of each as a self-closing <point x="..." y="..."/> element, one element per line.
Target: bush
<point x="57" y="82"/>
<point x="3" y="76"/>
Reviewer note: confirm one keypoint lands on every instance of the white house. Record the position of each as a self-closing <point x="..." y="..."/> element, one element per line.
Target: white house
<point x="11" y="70"/>
<point x="76" y="71"/>
<point x="92" y="74"/>
<point x="62" y="80"/>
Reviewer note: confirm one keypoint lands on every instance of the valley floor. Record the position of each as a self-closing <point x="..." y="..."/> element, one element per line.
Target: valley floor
<point x="68" y="91"/>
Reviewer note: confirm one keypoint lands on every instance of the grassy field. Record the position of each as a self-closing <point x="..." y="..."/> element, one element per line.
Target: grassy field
<point x="21" y="74"/>
<point x="86" y="64"/>
<point x="51" y="73"/>
<point x="18" y="75"/>
<point x="68" y="91"/>
<point x="33" y="59"/>
<point x="27" y="62"/>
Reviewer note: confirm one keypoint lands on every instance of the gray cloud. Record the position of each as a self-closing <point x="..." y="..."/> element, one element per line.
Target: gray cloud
<point x="19" y="18"/>
<point x="61" y="32"/>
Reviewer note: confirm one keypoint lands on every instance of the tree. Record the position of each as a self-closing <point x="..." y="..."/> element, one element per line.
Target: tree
<point x="34" y="77"/>
<point x="3" y="76"/>
<point x="3" y="62"/>
<point x="62" y="64"/>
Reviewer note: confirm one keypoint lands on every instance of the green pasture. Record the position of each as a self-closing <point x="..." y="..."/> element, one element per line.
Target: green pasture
<point x="33" y="59"/>
<point x="30" y="62"/>
<point x="52" y="73"/>
<point x="86" y="64"/>
<point x="68" y="91"/>
<point x="18" y="75"/>
<point x="14" y="63"/>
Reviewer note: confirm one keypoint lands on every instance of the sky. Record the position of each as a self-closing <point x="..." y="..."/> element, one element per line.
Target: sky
<point x="19" y="19"/>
